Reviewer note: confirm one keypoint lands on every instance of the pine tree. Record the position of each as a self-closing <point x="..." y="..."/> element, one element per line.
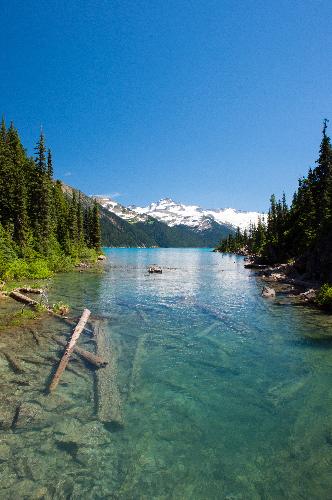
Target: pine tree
<point x="61" y="218"/>
<point x="49" y="164"/>
<point x="80" y="221"/>
<point x="42" y="199"/>
<point x="18" y="192"/>
<point x="40" y="156"/>
<point x="95" y="227"/>
<point x="73" y="223"/>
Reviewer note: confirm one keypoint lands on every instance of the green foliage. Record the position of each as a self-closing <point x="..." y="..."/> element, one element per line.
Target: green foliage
<point x="60" y="308"/>
<point x="324" y="297"/>
<point x="41" y="228"/>
<point x="21" y="268"/>
<point x="89" y="254"/>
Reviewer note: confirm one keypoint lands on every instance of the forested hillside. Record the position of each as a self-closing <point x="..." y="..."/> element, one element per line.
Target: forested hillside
<point x="301" y="232"/>
<point x="42" y="229"/>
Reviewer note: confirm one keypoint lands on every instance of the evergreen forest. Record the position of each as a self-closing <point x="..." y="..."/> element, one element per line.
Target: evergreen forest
<point x="43" y="228"/>
<point x="301" y="232"/>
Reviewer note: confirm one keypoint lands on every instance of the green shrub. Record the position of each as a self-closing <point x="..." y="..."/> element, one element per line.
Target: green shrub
<point x="60" y="263"/>
<point x="39" y="269"/>
<point x="20" y="268"/>
<point x="324" y="297"/>
<point x="88" y="254"/>
<point x="16" y="269"/>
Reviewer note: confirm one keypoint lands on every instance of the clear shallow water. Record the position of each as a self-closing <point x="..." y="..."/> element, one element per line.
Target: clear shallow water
<point x="224" y="393"/>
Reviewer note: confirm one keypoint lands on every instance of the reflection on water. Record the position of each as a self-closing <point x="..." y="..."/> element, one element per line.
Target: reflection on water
<point x="224" y="393"/>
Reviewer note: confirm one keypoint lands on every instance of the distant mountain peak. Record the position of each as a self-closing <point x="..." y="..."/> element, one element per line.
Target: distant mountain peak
<point x="174" y="213"/>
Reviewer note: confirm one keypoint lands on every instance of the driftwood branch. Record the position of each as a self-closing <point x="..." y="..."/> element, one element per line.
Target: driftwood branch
<point x="108" y="396"/>
<point x="69" y="349"/>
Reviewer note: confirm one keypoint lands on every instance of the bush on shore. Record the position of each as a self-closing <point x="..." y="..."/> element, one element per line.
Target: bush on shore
<point x="324" y="297"/>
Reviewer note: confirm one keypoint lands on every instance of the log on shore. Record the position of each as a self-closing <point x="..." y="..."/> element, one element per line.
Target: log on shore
<point x="38" y="291"/>
<point x="108" y="396"/>
<point x="69" y="349"/>
<point x="93" y="359"/>
<point x="14" y="294"/>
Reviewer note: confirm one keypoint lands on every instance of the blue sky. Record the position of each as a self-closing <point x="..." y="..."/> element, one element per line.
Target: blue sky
<point x="219" y="103"/>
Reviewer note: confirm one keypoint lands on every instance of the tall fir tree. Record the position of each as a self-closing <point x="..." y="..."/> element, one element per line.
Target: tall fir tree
<point x="95" y="228"/>
<point x="49" y="164"/>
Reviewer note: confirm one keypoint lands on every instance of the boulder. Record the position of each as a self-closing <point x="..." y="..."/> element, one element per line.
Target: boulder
<point x="155" y="269"/>
<point x="268" y="292"/>
<point x="101" y="257"/>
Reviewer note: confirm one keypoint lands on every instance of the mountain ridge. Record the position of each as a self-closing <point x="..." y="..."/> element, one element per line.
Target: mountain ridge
<point x="168" y="223"/>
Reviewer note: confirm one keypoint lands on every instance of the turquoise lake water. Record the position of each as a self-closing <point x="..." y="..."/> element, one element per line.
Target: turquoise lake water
<point x="225" y="394"/>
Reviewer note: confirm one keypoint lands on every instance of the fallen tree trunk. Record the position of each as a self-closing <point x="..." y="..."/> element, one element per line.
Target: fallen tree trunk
<point x="108" y="395"/>
<point x="39" y="291"/>
<point x="14" y="363"/>
<point x="86" y="355"/>
<point x="69" y="349"/>
<point x="14" y="294"/>
<point x="20" y="297"/>
<point x="68" y="321"/>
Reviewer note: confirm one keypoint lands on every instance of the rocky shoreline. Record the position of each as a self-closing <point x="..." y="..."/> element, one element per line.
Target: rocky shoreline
<point x="291" y="288"/>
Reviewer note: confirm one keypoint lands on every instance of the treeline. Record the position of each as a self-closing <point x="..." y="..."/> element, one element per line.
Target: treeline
<point x="298" y="230"/>
<point x="42" y="229"/>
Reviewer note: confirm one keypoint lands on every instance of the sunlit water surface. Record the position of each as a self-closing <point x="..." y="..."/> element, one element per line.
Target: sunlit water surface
<point x="224" y="393"/>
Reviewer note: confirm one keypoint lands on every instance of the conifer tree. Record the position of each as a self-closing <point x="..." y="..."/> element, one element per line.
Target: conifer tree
<point x="95" y="227"/>
<point x="73" y="223"/>
<point x="80" y="221"/>
<point x="41" y="198"/>
<point x="18" y="191"/>
<point x="49" y="164"/>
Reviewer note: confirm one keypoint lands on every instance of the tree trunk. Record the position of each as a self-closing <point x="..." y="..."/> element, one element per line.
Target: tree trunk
<point x="86" y="355"/>
<point x="69" y="349"/>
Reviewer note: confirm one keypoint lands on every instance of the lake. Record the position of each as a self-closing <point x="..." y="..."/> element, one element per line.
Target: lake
<point x="225" y="394"/>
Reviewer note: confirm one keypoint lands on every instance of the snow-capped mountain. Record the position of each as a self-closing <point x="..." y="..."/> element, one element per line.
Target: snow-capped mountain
<point x="175" y="214"/>
<point x="120" y="210"/>
<point x="178" y="214"/>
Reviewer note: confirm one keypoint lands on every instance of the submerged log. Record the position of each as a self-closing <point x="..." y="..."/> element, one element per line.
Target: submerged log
<point x="14" y="363"/>
<point x="86" y="355"/>
<point x="108" y="397"/>
<point x="69" y="349"/>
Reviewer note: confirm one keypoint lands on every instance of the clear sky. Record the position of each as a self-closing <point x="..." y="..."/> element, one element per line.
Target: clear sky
<point x="218" y="103"/>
